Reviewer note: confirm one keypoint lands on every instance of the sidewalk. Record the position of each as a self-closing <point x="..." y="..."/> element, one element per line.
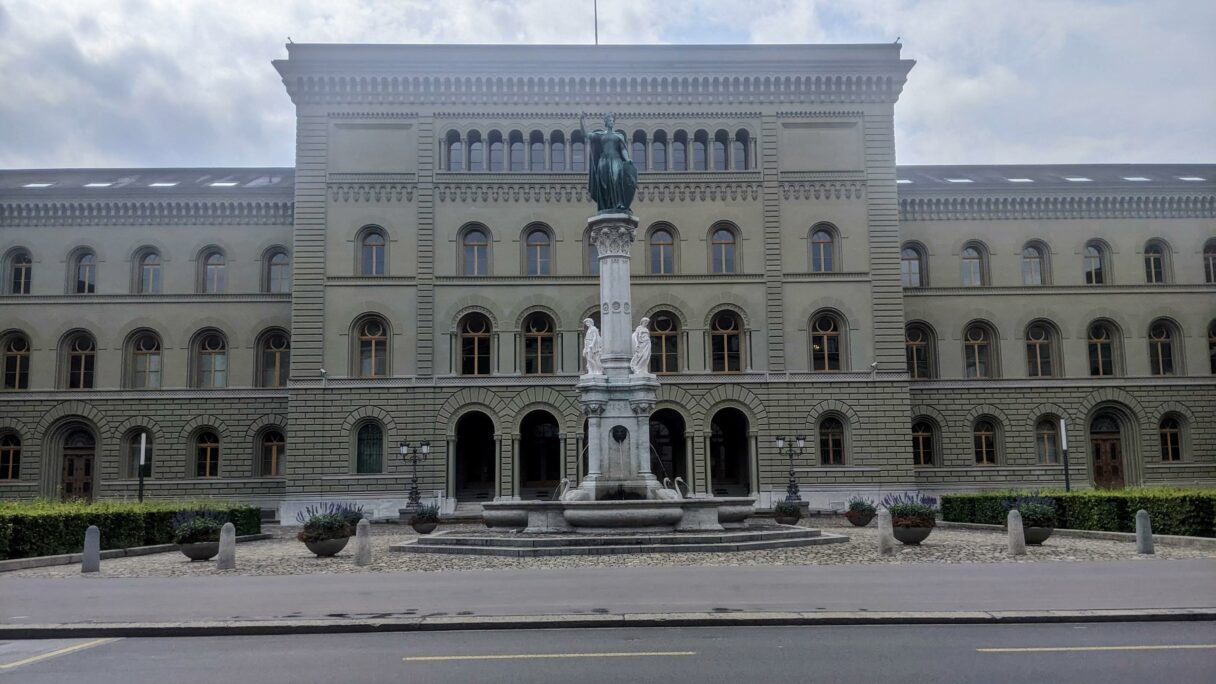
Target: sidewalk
<point x="1054" y="591"/>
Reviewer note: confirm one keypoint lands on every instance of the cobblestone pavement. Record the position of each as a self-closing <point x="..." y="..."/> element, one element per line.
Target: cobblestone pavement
<point x="283" y="555"/>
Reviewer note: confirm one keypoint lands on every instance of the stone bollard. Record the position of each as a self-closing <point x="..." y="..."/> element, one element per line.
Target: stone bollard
<point x="227" y="548"/>
<point x="91" y="562"/>
<point x="1144" y="532"/>
<point x="363" y="543"/>
<point x="1017" y="537"/>
<point x="886" y="536"/>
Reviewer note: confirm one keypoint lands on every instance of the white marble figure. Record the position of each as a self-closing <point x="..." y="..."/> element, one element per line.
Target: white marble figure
<point x="640" y="364"/>
<point x="593" y="348"/>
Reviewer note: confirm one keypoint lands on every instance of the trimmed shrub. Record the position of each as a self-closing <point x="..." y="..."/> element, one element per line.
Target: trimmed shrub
<point x="1189" y="512"/>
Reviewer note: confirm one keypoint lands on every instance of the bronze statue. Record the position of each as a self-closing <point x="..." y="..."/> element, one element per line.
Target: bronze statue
<point x="612" y="179"/>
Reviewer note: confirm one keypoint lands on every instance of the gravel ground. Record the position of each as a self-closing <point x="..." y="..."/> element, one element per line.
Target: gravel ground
<point x="283" y="555"/>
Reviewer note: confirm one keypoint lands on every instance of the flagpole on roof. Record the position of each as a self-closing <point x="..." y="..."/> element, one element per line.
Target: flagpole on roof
<point x="595" y="5"/>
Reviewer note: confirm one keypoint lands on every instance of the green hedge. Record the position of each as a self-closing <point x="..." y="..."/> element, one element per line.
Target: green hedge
<point x="1190" y="512"/>
<point x="48" y="528"/>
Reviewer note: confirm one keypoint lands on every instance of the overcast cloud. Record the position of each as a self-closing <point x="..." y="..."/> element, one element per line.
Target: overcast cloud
<point x="189" y="83"/>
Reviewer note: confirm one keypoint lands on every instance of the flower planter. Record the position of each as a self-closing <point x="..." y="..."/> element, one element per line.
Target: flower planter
<point x="327" y="547"/>
<point x="424" y="527"/>
<point x="200" y="551"/>
<point x="786" y="519"/>
<point x="1037" y="535"/>
<point x="859" y="518"/>
<point x="911" y="535"/>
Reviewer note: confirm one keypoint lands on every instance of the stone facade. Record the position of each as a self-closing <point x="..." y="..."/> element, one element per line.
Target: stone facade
<point x="768" y="200"/>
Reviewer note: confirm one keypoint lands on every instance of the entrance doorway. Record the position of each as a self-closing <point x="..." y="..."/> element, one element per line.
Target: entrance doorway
<point x="730" y="469"/>
<point x="1106" y="451"/>
<point x="79" y="450"/>
<point x="668" y="457"/>
<point x="540" y="454"/>
<point x="475" y="457"/>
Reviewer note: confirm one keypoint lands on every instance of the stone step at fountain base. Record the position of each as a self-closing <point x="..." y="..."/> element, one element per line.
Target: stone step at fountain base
<point x="756" y="538"/>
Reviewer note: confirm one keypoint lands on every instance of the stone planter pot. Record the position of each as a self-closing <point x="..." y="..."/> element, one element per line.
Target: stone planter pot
<point x="424" y="527"/>
<point x="200" y="551"/>
<point x="327" y="547"/>
<point x="786" y="519"/>
<point x="911" y="535"/>
<point x="1037" y="535"/>
<point x="859" y="518"/>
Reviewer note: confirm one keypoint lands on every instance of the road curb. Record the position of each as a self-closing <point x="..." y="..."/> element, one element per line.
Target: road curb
<point x="631" y="620"/>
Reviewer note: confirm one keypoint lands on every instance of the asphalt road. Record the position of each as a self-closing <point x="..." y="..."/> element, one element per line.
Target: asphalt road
<point x="1109" y="653"/>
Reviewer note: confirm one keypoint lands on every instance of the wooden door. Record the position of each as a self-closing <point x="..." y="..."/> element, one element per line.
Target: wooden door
<point x="78" y="474"/>
<point x="1107" y="462"/>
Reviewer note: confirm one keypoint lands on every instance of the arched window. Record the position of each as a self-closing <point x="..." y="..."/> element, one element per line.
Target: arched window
<point x="912" y="267"/>
<point x="726" y="343"/>
<point x="1034" y="265"/>
<point x="84" y="273"/>
<point x="517" y="159"/>
<point x="274" y="359"/>
<point x="369" y="449"/>
<point x="540" y="338"/>
<point x="578" y="156"/>
<point x="662" y="252"/>
<point x="371" y="252"/>
<point x="536" y="151"/>
<point x="20" y="272"/>
<point x="10" y="457"/>
<point x="16" y="349"/>
<point x="557" y="151"/>
<point x="722" y="250"/>
<point x="475" y="333"/>
<point x="918" y="345"/>
<point x="1095" y="264"/>
<point x="638" y="150"/>
<point x="538" y="252"/>
<point x="213" y="273"/>
<point x="823" y="250"/>
<point x="922" y="443"/>
<point x="739" y="150"/>
<point x="1170" y="433"/>
<point x="665" y="343"/>
<point x="145" y="361"/>
<point x="679" y="152"/>
<point x="273" y="448"/>
<point x="147" y="280"/>
<point x="1101" y="349"/>
<point x="132" y="448"/>
<point x="278" y="272"/>
<point x="699" y="150"/>
<point x="1209" y="262"/>
<point x="373" y="347"/>
<point x="455" y="152"/>
<point x="973" y="271"/>
<point x="1161" y="336"/>
<point x="80" y="356"/>
<point x="721" y="141"/>
<point x="207" y="455"/>
<point x="496" y="151"/>
<point x="658" y="151"/>
<point x="1155" y="270"/>
<point x="1047" y="441"/>
<point x="831" y="442"/>
<point x="211" y="360"/>
<point x="983" y="439"/>
<point x="977" y="352"/>
<point x="826" y="345"/>
<point x="1212" y="346"/>
<point x="1040" y="357"/>
<point x="476" y="253"/>
<point x="477" y="152"/>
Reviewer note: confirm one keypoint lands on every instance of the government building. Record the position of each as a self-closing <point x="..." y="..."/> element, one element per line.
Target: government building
<point x="422" y="273"/>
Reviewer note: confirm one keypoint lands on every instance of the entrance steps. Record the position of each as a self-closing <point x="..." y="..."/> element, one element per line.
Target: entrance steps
<point x="757" y="537"/>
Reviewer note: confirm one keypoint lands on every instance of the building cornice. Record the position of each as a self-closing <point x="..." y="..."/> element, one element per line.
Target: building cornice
<point x="107" y="212"/>
<point x="1002" y="206"/>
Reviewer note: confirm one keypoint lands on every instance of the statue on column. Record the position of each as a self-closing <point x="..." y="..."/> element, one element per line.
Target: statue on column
<point x="612" y="179"/>
<point x="640" y="364"/>
<point x="593" y="348"/>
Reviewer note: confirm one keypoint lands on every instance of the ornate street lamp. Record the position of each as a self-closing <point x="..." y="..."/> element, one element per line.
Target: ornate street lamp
<point x="791" y="490"/>
<point x="413" y="455"/>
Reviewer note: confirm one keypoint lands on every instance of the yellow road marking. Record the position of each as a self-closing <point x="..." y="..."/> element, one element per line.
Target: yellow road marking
<point x="56" y="653"/>
<point x="1065" y="649"/>
<point x="539" y="656"/>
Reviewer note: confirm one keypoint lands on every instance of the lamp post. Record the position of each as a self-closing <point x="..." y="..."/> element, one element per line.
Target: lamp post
<point x="414" y="455"/>
<point x="143" y="447"/>
<point x="1064" y="448"/>
<point x="791" y="490"/>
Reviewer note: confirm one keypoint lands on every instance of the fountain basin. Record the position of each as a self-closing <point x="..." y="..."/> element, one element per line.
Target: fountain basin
<point x="734" y="511"/>
<point x="650" y="515"/>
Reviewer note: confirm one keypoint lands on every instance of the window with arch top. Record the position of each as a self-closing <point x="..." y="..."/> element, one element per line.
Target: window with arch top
<point x="1040" y="351"/>
<point x="278" y="272"/>
<point x="1169" y="432"/>
<point x="84" y="272"/>
<point x="145" y="354"/>
<point x="1155" y="267"/>
<point x="1101" y="342"/>
<point x="1047" y="440"/>
<point x="831" y="441"/>
<point x="1034" y="265"/>
<point x="477" y="151"/>
<point x="10" y="456"/>
<point x="823" y="250"/>
<point x="15" y="347"/>
<point x="978" y="361"/>
<point x="740" y="151"/>
<point x="80" y="352"/>
<point x="1209" y="262"/>
<point x="826" y="343"/>
<point x="369" y="449"/>
<point x="274" y="362"/>
<point x="148" y="276"/>
<point x="207" y="454"/>
<point x="1094" y="264"/>
<point x="662" y="252"/>
<point x="475" y="334"/>
<point x="912" y="267"/>
<point x="540" y="340"/>
<point x="273" y="449"/>
<point x="20" y="272"/>
<point x="918" y="346"/>
<point x="213" y="273"/>
<point x="923" y="446"/>
<point x="722" y="250"/>
<point x="973" y="270"/>
<point x="665" y="343"/>
<point x="1161" y="340"/>
<point x="455" y="152"/>
<point x="371" y="252"/>
<point x="726" y="342"/>
<point x="538" y="252"/>
<point x="475" y="254"/>
<point x="211" y="360"/>
<point x="372" y="333"/>
<point x="983" y="439"/>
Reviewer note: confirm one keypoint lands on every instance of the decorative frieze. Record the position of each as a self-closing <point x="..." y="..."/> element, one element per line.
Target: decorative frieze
<point x="994" y="206"/>
<point x="821" y="190"/>
<point x="372" y="192"/>
<point x="106" y="213"/>
<point x="697" y="192"/>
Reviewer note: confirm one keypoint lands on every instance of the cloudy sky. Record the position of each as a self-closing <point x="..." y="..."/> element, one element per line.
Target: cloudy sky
<point x="189" y="83"/>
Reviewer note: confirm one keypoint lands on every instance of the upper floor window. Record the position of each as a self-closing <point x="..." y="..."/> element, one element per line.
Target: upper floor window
<point x="1095" y="264"/>
<point x="540" y="339"/>
<point x="20" y="272"/>
<point x="662" y="252"/>
<point x="148" y="280"/>
<point x="211" y="361"/>
<point x="496" y="151"/>
<point x="721" y="140"/>
<point x="977" y="352"/>
<point x="823" y="250"/>
<point x="918" y="346"/>
<point x="726" y="343"/>
<point x="212" y="274"/>
<point x="679" y="152"/>
<point x="80" y="352"/>
<point x="658" y="152"/>
<point x="476" y="254"/>
<point x="911" y="267"/>
<point x="455" y="153"/>
<point x="1047" y="441"/>
<point x="665" y="343"/>
<point x="1034" y="265"/>
<point x="539" y="252"/>
<point x="1170" y="434"/>
<point x="371" y="253"/>
<point x="84" y="270"/>
<point x="278" y="272"/>
<point x="207" y="455"/>
<point x="10" y="457"/>
<point x="1209" y="262"/>
<point x="1161" y="337"/>
<point x="722" y="251"/>
<point x="516" y="150"/>
<point x="1040" y="341"/>
<point x="477" y="151"/>
<point x="700" y="162"/>
<point x="536" y="151"/>
<point x="475" y="333"/>
<point x="373" y="347"/>
<point x="983" y="437"/>
<point x="578" y="158"/>
<point x="740" y="150"/>
<point x="825" y="343"/>
<point x="973" y="271"/>
<point x="1101" y="350"/>
<point x="638" y="150"/>
<point x="1154" y="263"/>
<point x="922" y="443"/>
<point x="16" y="349"/>
<point x="274" y="452"/>
<point x="275" y="359"/>
<point x="145" y="361"/>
